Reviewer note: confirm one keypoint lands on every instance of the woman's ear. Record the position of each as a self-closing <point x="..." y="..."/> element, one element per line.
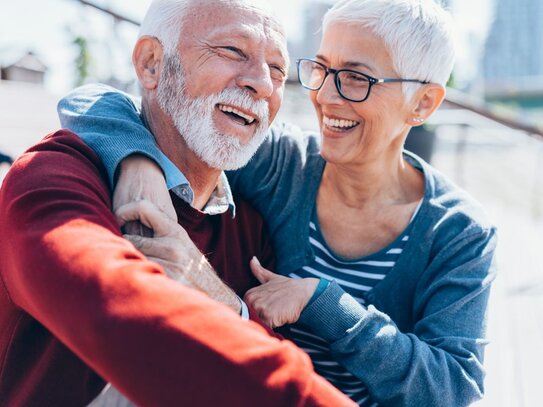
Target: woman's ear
<point x="147" y="59"/>
<point x="425" y="102"/>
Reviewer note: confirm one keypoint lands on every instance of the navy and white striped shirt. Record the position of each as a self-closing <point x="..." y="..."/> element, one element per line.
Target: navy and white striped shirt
<point x="356" y="277"/>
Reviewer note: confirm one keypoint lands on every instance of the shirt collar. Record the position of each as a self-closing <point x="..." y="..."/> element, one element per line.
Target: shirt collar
<point x="220" y="201"/>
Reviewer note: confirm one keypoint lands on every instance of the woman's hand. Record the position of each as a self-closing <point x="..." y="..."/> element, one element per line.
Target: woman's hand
<point x="279" y="300"/>
<point x="141" y="179"/>
<point x="172" y="248"/>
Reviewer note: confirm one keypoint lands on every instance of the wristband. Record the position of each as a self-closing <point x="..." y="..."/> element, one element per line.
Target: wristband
<point x="323" y="285"/>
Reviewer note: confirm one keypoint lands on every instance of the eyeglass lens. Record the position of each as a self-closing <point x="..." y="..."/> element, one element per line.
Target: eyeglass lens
<point x="350" y="85"/>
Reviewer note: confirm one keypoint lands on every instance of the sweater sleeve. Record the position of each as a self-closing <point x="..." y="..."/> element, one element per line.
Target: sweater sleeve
<point x="109" y="121"/>
<point x="439" y="363"/>
<point x="63" y="262"/>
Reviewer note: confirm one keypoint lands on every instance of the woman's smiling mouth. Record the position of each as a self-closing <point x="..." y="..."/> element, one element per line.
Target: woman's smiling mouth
<point x="339" y="124"/>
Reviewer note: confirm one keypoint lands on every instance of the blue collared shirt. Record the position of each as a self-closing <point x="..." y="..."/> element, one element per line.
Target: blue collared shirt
<point x="221" y="198"/>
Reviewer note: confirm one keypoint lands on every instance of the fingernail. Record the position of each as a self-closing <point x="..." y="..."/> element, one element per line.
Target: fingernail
<point x="256" y="260"/>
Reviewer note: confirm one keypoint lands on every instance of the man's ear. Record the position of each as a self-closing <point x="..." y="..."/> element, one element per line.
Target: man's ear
<point x="147" y="59"/>
<point x="425" y="102"/>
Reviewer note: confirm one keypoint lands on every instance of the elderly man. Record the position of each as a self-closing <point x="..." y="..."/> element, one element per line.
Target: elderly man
<point x="79" y="306"/>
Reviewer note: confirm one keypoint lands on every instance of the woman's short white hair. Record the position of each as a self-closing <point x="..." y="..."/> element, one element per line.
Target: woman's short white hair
<point x="417" y="33"/>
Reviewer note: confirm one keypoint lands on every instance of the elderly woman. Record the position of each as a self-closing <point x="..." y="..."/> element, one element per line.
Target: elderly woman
<point x="384" y="265"/>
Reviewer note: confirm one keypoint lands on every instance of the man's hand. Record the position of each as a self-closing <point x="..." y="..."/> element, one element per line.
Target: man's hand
<point x="279" y="300"/>
<point x="141" y="179"/>
<point x="172" y="248"/>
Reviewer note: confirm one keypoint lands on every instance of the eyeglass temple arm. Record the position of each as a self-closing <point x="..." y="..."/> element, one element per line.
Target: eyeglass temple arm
<point x="383" y="80"/>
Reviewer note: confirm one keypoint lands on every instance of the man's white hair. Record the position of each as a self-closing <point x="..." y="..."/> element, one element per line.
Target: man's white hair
<point x="164" y="18"/>
<point x="417" y="33"/>
<point x="163" y="21"/>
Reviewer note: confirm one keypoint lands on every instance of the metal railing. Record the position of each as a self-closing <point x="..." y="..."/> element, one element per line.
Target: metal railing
<point x="454" y="97"/>
<point x="462" y="100"/>
<point x="115" y="15"/>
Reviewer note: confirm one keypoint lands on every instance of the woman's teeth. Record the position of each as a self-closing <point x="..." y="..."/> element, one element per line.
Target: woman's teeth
<point x="339" y="123"/>
<point x="230" y="109"/>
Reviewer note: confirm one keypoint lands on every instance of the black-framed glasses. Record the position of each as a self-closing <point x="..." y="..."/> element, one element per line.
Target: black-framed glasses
<point x="351" y="85"/>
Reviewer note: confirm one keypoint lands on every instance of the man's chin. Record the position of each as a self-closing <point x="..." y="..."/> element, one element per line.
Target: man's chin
<point x="228" y="163"/>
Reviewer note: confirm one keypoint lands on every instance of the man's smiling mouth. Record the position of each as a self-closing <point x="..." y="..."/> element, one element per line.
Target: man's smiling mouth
<point x="237" y="115"/>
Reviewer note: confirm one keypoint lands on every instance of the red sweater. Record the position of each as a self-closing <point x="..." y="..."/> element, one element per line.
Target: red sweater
<point x="228" y="243"/>
<point x="78" y="303"/>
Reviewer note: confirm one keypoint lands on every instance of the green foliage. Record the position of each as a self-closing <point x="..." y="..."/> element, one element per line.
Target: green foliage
<point x="83" y="59"/>
<point x="451" y="81"/>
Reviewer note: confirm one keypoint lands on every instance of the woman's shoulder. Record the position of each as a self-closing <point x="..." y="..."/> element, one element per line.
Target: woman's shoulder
<point x="451" y="227"/>
<point x="447" y="206"/>
<point x="287" y="153"/>
<point x="290" y="137"/>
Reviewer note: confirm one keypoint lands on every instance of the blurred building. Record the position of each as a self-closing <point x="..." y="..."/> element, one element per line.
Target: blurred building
<point x="27" y="108"/>
<point x="308" y="46"/>
<point x="28" y="68"/>
<point x="513" y="58"/>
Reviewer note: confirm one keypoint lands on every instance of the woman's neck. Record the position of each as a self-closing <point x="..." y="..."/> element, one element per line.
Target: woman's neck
<point x="387" y="180"/>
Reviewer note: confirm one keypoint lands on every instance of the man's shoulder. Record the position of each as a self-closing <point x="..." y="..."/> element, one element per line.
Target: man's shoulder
<point x="59" y="157"/>
<point x="61" y="144"/>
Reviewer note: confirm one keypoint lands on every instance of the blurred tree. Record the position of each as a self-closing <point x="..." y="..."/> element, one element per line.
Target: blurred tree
<point x="451" y="82"/>
<point x="83" y="59"/>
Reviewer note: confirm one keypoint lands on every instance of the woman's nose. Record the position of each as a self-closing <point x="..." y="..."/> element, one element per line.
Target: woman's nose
<point x="328" y="93"/>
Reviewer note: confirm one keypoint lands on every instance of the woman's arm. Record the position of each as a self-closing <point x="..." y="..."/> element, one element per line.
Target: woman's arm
<point x="439" y="363"/>
<point x="109" y="122"/>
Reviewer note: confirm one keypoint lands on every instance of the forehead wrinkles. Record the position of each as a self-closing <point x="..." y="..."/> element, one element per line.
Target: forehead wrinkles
<point x="212" y="19"/>
<point x="217" y="13"/>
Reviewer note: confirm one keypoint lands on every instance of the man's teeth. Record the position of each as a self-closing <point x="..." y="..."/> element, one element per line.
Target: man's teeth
<point x="230" y="109"/>
<point x="339" y="123"/>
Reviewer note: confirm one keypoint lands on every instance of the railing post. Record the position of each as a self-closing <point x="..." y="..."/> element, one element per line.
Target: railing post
<point x="460" y="156"/>
<point x="538" y="184"/>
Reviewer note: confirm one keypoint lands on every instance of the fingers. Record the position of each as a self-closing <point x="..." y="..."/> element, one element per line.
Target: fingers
<point x="256" y="302"/>
<point x="135" y="227"/>
<point x="281" y="300"/>
<point x="262" y="275"/>
<point x="160" y="248"/>
<point x="149" y="215"/>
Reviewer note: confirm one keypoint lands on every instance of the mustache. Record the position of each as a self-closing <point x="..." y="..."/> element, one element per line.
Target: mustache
<point x="242" y="98"/>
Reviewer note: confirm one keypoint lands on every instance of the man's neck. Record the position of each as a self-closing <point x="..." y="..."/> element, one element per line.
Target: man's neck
<point x="202" y="178"/>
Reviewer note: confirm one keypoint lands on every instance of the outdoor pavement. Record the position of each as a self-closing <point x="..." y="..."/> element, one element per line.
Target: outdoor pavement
<point x="503" y="170"/>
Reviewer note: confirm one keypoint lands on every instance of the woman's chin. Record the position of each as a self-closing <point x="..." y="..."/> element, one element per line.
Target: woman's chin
<point x="334" y="154"/>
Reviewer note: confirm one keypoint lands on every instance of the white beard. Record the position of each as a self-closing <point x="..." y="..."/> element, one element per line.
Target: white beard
<point x="193" y="118"/>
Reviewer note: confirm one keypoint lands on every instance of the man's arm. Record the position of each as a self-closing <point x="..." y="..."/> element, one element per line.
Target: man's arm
<point x="64" y="262"/>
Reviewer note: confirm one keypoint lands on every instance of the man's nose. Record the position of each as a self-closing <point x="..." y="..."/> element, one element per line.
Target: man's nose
<point x="257" y="79"/>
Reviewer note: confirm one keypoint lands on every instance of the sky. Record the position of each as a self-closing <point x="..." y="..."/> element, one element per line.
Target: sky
<point x="48" y="27"/>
